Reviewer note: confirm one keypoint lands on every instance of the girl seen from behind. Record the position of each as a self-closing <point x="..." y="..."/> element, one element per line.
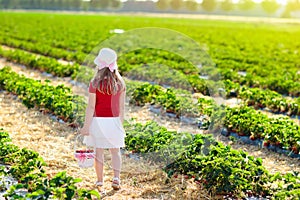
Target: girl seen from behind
<point x="103" y="126"/>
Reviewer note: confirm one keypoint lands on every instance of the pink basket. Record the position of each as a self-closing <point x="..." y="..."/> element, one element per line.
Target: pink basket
<point x="85" y="157"/>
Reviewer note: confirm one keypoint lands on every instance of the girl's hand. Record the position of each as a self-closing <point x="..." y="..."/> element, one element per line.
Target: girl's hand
<point x="84" y="131"/>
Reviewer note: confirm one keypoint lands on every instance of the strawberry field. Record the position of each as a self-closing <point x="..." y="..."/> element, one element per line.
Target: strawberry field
<point x="254" y="64"/>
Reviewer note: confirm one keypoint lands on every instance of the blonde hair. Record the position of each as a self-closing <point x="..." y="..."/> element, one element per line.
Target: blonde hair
<point x="108" y="82"/>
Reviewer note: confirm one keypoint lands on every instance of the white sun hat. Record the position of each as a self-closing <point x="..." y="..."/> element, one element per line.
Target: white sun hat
<point x="106" y="58"/>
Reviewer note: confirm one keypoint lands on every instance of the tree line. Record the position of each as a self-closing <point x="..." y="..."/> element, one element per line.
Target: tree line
<point x="60" y="4"/>
<point x="269" y="6"/>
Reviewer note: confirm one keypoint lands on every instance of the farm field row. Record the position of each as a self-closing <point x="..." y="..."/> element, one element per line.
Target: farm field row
<point x="258" y="98"/>
<point x="31" y="129"/>
<point x="171" y="103"/>
<point x="144" y="114"/>
<point x="134" y="134"/>
<point x="152" y="127"/>
<point x="269" y="62"/>
<point x="178" y="106"/>
<point x="284" y="137"/>
<point x="246" y="66"/>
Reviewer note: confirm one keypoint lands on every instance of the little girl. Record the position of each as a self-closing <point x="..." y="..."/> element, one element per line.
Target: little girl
<point x="103" y="127"/>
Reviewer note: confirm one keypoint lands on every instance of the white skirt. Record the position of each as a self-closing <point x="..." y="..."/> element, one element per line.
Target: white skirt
<point x="105" y="132"/>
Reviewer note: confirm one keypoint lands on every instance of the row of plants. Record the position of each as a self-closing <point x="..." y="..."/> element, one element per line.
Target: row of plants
<point x="278" y="131"/>
<point x="218" y="168"/>
<point x="27" y="168"/>
<point x="84" y="74"/>
<point x="138" y="139"/>
<point x="143" y="56"/>
<point x="126" y="61"/>
<point x="41" y="63"/>
<point x="166" y="137"/>
<point x="57" y="100"/>
<point x="131" y="64"/>
<point x="43" y="49"/>
<point x="158" y="56"/>
<point x="49" y="65"/>
<point x="281" y="132"/>
<point x="171" y="100"/>
<point x="256" y="52"/>
<point x="260" y="59"/>
<point x="260" y="99"/>
<point x="60" y="101"/>
<point x="163" y="67"/>
<point x="75" y="36"/>
<point x="287" y="84"/>
<point x="253" y="96"/>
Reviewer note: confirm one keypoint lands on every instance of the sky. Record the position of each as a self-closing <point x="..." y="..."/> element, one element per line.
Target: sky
<point x="283" y="2"/>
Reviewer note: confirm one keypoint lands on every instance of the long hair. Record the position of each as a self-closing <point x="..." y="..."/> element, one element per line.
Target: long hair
<point x="108" y="82"/>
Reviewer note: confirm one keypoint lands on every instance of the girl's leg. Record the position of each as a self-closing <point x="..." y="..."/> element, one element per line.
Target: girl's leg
<point x="116" y="161"/>
<point x="99" y="161"/>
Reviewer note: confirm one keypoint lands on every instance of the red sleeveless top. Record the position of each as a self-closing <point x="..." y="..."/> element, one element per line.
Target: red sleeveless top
<point x="107" y="105"/>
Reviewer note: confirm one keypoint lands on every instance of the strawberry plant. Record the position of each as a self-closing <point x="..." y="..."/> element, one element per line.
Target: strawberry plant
<point x="57" y="100"/>
<point x="27" y="167"/>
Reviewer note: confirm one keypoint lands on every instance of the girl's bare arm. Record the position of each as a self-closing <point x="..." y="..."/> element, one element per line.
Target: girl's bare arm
<point x="90" y="109"/>
<point x="122" y="105"/>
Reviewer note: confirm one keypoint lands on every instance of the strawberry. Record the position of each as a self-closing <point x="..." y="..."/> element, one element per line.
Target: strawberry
<point x="295" y="150"/>
<point x="266" y="143"/>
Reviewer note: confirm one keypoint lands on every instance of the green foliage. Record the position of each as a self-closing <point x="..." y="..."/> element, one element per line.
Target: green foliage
<point x="58" y="5"/>
<point x="269" y="6"/>
<point x="42" y="63"/>
<point x="191" y="5"/>
<point x="162" y="4"/>
<point x="161" y="75"/>
<point x="219" y="168"/>
<point x="41" y="48"/>
<point x="260" y="99"/>
<point x="246" y="4"/>
<point x="54" y="99"/>
<point x="224" y="170"/>
<point x="171" y="100"/>
<point x="280" y="131"/>
<point x="262" y="59"/>
<point x="209" y="5"/>
<point x="27" y="167"/>
<point x="227" y="5"/>
<point x="176" y="4"/>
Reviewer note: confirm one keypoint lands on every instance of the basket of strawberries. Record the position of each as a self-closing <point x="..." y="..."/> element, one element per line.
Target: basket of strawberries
<point x="84" y="155"/>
